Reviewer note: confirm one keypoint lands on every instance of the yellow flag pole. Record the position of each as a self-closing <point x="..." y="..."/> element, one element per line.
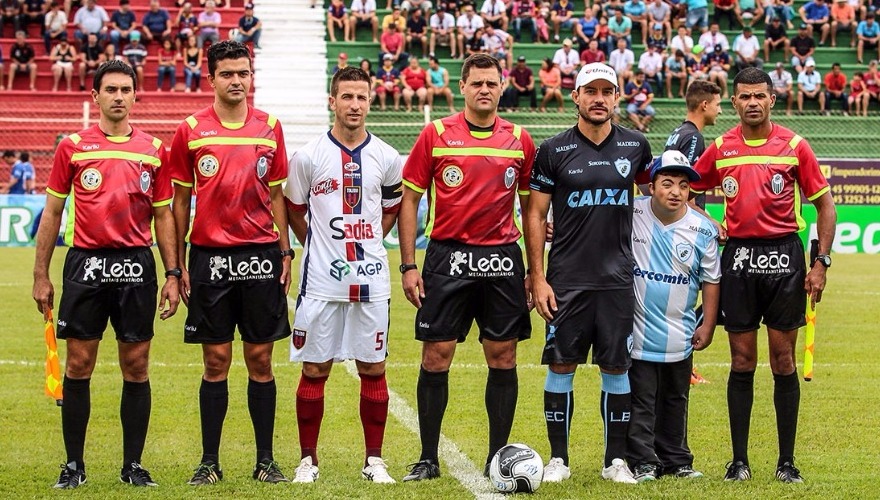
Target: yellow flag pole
<point x="53" y="365"/>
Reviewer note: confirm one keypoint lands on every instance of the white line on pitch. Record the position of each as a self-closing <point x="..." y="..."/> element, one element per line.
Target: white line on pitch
<point x="459" y="465"/>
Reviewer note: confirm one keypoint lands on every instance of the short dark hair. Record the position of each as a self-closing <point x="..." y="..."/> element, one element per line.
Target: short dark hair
<point x="482" y="61"/>
<point x="114" y="66"/>
<point x="752" y="76"/>
<point x="835" y="65"/>
<point x="349" y="74"/>
<point x="24" y="156"/>
<point x="699" y="91"/>
<point x="8" y="153"/>
<point x="227" y="49"/>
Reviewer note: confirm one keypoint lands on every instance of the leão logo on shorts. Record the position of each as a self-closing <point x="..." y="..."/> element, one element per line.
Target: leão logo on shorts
<point x="91" y="179"/>
<point x="761" y="261"/>
<point x="492" y="266"/>
<point x="453" y="176"/>
<point x="125" y="271"/>
<point x="208" y="165"/>
<point x="252" y="268"/>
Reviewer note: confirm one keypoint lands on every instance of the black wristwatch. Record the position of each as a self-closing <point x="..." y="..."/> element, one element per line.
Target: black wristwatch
<point x="825" y="260"/>
<point x="407" y="267"/>
<point x="287" y="253"/>
<point x="176" y="272"/>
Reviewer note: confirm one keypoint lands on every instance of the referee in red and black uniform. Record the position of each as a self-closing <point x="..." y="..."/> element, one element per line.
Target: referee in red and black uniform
<point x="762" y="169"/>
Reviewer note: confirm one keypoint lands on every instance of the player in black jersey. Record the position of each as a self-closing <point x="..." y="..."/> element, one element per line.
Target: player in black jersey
<point x="587" y="174"/>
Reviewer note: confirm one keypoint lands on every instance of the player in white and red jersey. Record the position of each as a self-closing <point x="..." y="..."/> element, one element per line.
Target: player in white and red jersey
<point x="762" y="169"/>
<point x="232" y="156"/>
<point x="343" y="191"/>
<point x="474" y="166"/>
<point x="115" y="177"/>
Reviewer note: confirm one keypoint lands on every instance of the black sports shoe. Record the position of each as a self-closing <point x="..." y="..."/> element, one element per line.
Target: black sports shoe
<point x="738" y="471"/>
<point x="206" y="473"/>
<point x="646" y="472"/>
<point x="788" y="473"/>
<point x="136" y="475"/>
<point x="423" y="469"/>
<point x="70" y="478"/>
<point x="685" y="472"/>
<point x="267" y="471"/>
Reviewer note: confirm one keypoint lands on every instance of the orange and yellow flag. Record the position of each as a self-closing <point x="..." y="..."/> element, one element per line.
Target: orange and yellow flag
<point x="53" y="366"/>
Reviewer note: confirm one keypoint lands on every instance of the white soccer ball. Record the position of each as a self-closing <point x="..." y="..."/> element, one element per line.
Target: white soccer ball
<point x="516" y="468"/>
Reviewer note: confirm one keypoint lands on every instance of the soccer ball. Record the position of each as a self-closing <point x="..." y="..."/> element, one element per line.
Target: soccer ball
<point x="516" y="468"/>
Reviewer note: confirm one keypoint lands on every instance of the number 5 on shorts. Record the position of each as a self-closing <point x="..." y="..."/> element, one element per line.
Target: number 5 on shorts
<point x="380" y="341"/>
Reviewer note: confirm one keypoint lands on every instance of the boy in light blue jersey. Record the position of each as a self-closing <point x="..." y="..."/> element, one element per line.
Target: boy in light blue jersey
<point x="675" y="250"/>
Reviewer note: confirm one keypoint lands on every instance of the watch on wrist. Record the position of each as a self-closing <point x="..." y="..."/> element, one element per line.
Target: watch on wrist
<point x="176" y="272"/>
<point x="825" y="260"/>
<point x="407" y="267"/>
<point x="287" y="253"/>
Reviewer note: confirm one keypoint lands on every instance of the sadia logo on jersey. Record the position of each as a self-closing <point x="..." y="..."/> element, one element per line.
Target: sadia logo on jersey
<point x="102" y="271"/>
<point x="360" y="230"/>
<point x="253" y="268"/>
<point x="491" y="266"/>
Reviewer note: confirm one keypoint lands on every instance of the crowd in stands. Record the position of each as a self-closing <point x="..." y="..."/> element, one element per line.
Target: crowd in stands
<point x="679" y="42"/>
<point x="98" y="36"/>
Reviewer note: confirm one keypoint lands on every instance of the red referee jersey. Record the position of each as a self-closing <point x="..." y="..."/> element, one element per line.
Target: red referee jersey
<point x="113" y="183"/>
<point x="472" y="179"/>
<point x="762" y="181"/>
<point x="231" y="167"/>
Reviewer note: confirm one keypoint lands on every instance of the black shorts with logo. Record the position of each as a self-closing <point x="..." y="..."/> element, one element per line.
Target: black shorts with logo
<point x="597" y="319"/>
<point x="236" y="286"/>
<point x="464" y="283"/>
<point x="763" y="279"/>
<point x="115" y="284"/>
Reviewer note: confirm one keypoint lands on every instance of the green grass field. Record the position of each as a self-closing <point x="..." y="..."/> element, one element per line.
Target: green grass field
<point x="837" y="448"/>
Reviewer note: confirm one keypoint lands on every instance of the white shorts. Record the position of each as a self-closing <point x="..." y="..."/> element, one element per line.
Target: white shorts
<point x="339" y="331"/>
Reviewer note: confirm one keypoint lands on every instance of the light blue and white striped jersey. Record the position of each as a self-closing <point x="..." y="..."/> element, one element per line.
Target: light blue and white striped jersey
<point x="670" y="263"/>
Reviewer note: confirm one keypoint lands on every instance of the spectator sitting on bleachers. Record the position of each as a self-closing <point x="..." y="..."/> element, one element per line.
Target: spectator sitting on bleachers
<point x="110" y="53"/>
<point x="782" y="86"/>
<point x="637" y="12"/>
<point x="157" y="23"/>
<point x="543" y="20"/>
<point x="439" y="78"/>
<point x="136" y="55"/>
<point x="802" y="49"/>
<point x="522" y="83"/>
<point x="872" y="84"/>
<point x="843" y="18"/>
<point x="551" y="82"/>
<point x="592" y="54"/>
<point x="424" y="5"/>
<point x="567" y="60"/>
<point x="192" y="64"/>
<point x="414" y="79"/>
<point x="62" y="58"/>
<point x="341" y="62"/>
<point x="696" y="65"/>
<point x="523" y="13"/>
<point x="657" y="41"/>
<point x="868" y="6"/>
<point x="697" y="14"/>
<point x="858" y="96"/>
<point x="22" y="59"/>
<point x="217" y="3"/>
<point x="651" y="66"/>
<point x="639" y="95"/>
<point x="809" y="83"/>
<point x="748" y="12"/>
<point x="682" y="41"/>
<point x="660" y="13"/>
<point x="391" y="43"/>
<point x="494" y="13"/>
<point x="443" y="31"/>
<point x="417" y="33"/>
<point x="468" y="24"/>
<point x="250" y="27"/>
<point x="122" y="23"/>
<point x="476" y="45"/>
<point x="167" y="57"/>
<point x="868" y="33"/>
<point x="747" y="50"/>
<point x="620" y="28"/>
<point x="835" y="89"/>
<point x="816" y="15"/>
<point x="775" y="38"/>
<point x="91" y="56"/>
<point x="562" y="17"/>
<point x="676" y="69"/>
<point x="782" y="9"/>
<point x="90" y="19"/>
<point x="585" y="30"/>
<point x="209" y="24"/>
<point x="389" y="82"/>
<point x="367" y="66"/>
<point x="622" y="61"/>
<point x="395" y="17"/>
<point x="187" y="24"/>
<point x="725" y="9"/>
<point x="363" y="15"/>
<point x="713" y="37"/>
<point x="498" y="44"/>
<point x="10" y="12"/>
<point x="718" y="63"/>
<point x="33" y="12"/>
<point x="606" y="8"/>
<point x="55" y="25"/>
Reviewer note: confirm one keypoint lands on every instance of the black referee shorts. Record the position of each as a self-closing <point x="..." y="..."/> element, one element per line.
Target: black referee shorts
<point x="236" y="286"/>
<point x="115" y="284"/>
<point x="763" y="279"/>
<point x="464" y="283"/>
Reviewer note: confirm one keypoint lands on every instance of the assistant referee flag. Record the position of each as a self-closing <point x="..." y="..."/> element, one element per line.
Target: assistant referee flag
<point x="53" y="366"/>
